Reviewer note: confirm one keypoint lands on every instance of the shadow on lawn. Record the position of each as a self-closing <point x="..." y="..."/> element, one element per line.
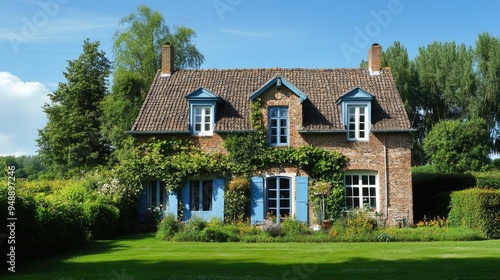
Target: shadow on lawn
<point x="224" y="267"/>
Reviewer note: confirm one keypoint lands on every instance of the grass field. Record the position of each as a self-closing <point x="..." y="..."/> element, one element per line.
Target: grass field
<point x="143" y="257"/>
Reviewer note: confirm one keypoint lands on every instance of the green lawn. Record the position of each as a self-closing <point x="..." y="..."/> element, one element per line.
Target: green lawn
<point x="143" y="257"/>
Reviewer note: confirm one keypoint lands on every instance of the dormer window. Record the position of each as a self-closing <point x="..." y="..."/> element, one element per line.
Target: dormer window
<point x="356" y="114"/>
<point x="202" y="120"/>
<point x="357" y="128"/>
<point x="278" y="126"/>
<point x="202" y="107"/>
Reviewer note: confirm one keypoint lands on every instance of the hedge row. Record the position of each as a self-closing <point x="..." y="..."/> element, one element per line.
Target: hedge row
<point x="49" y="222"/>
<point x="477" y="209"/>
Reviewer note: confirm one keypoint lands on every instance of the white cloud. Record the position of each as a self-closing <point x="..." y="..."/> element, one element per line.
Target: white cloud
<point x="21" y="114"/>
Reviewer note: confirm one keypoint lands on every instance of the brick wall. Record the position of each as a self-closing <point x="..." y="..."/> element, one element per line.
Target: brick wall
<point x="365" y="156"/>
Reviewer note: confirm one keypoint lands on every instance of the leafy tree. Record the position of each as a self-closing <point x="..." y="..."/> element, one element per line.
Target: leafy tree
<point x="487" y="98"/>
<point x="138" y="47"/>
<point x="454" y="146"/>
<point x="120" y="109"/>
<point x="137" y="51"/>
<point x="72" y="136"/>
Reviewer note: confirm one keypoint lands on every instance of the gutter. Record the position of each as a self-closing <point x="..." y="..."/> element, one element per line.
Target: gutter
<point x="324" y="131"/>
<point x="394" y="130"/>
<point x="151" y="132"/>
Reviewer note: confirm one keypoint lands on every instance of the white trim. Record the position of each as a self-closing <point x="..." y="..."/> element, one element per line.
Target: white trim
<point x="377" y="185"/>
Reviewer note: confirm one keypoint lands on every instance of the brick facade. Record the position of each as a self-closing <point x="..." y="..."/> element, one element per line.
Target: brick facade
<point x="386" y="153"/>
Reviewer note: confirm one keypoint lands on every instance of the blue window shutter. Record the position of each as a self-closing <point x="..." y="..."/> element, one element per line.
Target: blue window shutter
<point x="143" y="205"/>
<point x="173" y="203"/>
<point x="185" y="196"/>
<point x="256" y="200"/>
<point x="302" y="197"/>
<point x="218" y="199"/>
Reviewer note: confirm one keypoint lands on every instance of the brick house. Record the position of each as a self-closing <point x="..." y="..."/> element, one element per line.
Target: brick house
<point x="357" y="112"/>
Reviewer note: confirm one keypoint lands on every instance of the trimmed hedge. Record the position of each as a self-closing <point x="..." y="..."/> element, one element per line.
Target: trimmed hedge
<point x="477" y="209"/>
<point x="431" y="192"/>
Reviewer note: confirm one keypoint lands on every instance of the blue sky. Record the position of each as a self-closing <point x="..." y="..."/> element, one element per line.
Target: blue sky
<point x="38" y="37"/>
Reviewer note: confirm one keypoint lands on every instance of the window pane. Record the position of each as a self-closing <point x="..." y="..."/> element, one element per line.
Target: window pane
<point x="355" y="191"/>
<point x="207" y="127"/>
<point x="364" y="179"/>
<point x="365" y="191"/>
<point x="207" y="119"/>
<point x="355" y="180"/>
<point x="274" y="123"/>
<point x="274" y="131"/>
<point x="348" y="191"/>
<point x="274" y="140"/>
<point x="207" y="195"/>
<point x="273" y="112"/>
<point x="285" y="203"/>
<point x="271" y="183"/>
<point x="361" y="110"/>
<point x="373" y="203"/>
<point x="283" y="123"/>
<point x="348" y="180"/>
<point x="352" y="134"/>
<point x="284" y="213"/>
<point x="271" y="204"/>
<point x="207" y="110"/>
<point x="195" y="196"/>
<point x="197" y="127"/>
<point x="362" y="119"/>
<point x="355" y="202"/>
<point x="283" y="140"/>
<point x="372" y="192"/>
<point x="271" y="194"/>
<point x="348" y="204"/>
<point x="362" y="134"/>
<point x="197" y="111"/>
<point x="352" y="110"/>
<point x="282" y="131"/>
<point x="197" y="119"/>
<point x="372" y="180"/>
<point x="284" y="112"/>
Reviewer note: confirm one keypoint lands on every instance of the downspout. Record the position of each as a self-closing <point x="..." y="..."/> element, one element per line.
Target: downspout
<point x="386" y="178"/>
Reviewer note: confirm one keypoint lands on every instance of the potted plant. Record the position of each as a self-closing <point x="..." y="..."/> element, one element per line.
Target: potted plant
<point x="319" y="191"/>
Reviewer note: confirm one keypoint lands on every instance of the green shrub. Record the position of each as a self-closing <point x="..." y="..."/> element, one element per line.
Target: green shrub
<point x="102" y="218"/>
<point x="222" y="233"/>
<point x="477" y="209"/>
<point x="168" y="227"/>
<point x="292" y="227"/>
<point x="192" y="231"/>
<point x="62" y="225"/>
<point x="487" y="179"/>
<point x="237" y="200"/>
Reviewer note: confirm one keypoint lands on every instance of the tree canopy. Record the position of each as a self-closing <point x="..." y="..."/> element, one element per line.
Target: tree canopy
<point x="448" y="81"/>
<point x="72" y="137"/>
<point x="454" y="146"/>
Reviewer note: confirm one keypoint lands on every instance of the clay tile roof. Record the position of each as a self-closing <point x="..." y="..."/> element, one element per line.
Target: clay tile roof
<point x="165" y="108"/>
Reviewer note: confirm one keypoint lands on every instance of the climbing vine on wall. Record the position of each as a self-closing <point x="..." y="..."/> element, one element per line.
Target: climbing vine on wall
<point x="174" y="161"/>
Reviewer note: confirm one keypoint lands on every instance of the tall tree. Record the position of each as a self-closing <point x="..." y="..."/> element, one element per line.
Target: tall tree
<point x="447" y="81"/>
<point x="138" y="47"/>
<point x="72" y="136"/>
<point x="120" y="109"/>
<point x="137" y="51"/>
<point x="487" y="99"/>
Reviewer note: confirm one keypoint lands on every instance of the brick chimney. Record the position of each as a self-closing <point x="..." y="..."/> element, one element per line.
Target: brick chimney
<point x="167" y="59"/>
<point x="374" y="62"/>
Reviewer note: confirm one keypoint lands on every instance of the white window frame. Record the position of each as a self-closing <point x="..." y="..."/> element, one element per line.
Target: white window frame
<point x="358" y="122"/>
<point x="203" y="131"/>
<point x="364" y="194"/>
<point x="279" y="126"/>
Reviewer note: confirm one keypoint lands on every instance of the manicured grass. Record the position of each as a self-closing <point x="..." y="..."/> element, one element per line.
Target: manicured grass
<point x="143" y="257"/>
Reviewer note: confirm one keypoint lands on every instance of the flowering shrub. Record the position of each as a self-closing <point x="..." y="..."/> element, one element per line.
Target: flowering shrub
<point x="237" y="200"/>
<point x="270" y="227"/>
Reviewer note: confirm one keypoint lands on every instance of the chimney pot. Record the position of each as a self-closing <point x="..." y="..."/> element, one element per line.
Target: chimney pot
<point x="167" y="59"/>
<point x="374" y="63"/>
